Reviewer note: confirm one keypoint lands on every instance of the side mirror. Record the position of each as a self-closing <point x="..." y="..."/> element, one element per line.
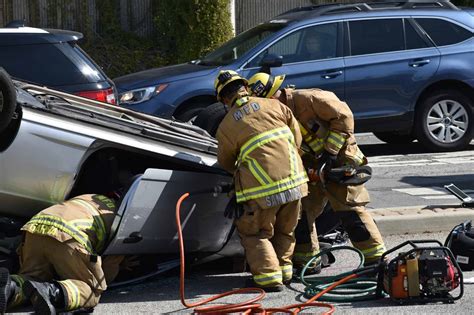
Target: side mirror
<point x="270" y="61"/>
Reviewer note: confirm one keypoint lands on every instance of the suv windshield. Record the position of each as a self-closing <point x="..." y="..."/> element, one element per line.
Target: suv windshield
<point x="239" y="45"/>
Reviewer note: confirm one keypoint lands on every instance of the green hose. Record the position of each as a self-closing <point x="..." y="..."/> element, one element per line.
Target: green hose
<point x="359" y="289"/>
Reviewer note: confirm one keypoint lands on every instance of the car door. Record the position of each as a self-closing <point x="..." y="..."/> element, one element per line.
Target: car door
<point x="319" y="65"/>
<point x="146" y="217"/>
<point x="387" y="63"/>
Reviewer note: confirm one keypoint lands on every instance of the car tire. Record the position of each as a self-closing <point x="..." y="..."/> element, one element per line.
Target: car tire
<point x="444" y="121"/>
<point x="190" y="114"/>
<point x="210" y="117"/>
<point x="7" y="99"/>
<point x="394" y="138"/>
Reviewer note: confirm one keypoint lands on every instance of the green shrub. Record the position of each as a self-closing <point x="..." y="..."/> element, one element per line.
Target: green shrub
<point x="188" y="29"/>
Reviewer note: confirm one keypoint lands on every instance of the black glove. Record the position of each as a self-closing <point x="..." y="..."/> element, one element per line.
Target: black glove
<point x="325" y="162"/>
<point x="233" y="210"/>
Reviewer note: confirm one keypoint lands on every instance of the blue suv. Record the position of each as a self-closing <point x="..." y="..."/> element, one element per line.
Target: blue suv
<point x="406" y="69"/>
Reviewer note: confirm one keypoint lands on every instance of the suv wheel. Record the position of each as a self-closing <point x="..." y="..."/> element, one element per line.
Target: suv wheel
<point x="445" y="121"/>
<point x="394" y="137"/>
<point x="210" y="118"/>
<point x="190" y="114"/>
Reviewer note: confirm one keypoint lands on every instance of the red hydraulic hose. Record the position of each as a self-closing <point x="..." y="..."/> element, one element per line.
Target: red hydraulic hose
<point x="250" y="306"/>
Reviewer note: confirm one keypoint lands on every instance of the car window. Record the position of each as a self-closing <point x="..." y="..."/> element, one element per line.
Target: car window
<point x="312" y="43"/>
<point x="239" y="45"/>
<point x="443" y="32"/>
<point x="413" y="39"/>
<point x="376" y="36"/>
<point x="48" y="64"/>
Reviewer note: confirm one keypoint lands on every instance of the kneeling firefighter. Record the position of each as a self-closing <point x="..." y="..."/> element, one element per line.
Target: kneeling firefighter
<point x="60" y="266"/>
<point x="327" y="127"/>
<point x="258" y="142"/>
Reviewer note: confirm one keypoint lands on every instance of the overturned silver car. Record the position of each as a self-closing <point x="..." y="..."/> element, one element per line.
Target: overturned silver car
<point x="60" y="145"/>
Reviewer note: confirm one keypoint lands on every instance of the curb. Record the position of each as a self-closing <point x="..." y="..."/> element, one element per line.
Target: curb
<point x="420" y="219"/>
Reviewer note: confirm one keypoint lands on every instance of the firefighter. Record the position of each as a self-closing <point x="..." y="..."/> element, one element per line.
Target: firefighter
<point x="60" y="266"/>
<point x="258" y="143"/>
<point x="327" y="127"/>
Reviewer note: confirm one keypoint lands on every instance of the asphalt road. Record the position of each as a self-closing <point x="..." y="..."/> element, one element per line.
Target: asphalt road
<point x="161" y="295"/>
<point x="408" y="175"/>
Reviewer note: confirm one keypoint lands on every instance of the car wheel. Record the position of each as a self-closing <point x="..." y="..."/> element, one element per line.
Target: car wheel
<point x="394" y="138"/>
<point x="210" y="117"/>
<point x="190" y="114"/>
<point x="444" y="121"/>
<point x="7" y="99"/>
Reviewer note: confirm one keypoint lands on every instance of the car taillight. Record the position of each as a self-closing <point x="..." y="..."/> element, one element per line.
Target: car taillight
<point x="106" y="96"/>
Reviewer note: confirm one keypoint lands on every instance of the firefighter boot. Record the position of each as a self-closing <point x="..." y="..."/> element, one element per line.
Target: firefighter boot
<point x="8" y="289"/>
<point x="46" y="297"/>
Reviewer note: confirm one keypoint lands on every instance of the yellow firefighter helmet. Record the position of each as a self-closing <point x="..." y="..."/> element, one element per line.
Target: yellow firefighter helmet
<point x="264" y="85"/>
<point x="225" y="77"/>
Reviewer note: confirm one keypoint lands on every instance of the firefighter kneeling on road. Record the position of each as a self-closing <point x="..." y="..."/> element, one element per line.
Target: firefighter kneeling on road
<point x="327" y="127"/>
<point x="59" y="264"/>
<point x="258" y="143"/>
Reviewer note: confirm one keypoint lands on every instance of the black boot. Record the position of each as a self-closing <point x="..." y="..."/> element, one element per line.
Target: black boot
<point x="8" y="288"/>
<point x="46" y="297"/>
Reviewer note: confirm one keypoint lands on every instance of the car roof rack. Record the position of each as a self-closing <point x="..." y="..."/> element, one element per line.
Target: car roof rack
<point x="334" y="8"/>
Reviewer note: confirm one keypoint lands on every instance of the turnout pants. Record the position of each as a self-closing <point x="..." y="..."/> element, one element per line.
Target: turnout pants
<point x="348" y="202"/>
<point x="45" y="259"/>
<point x="268" y="239"/>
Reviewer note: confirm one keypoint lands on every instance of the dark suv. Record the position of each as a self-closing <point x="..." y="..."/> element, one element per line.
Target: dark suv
<point x="406" y="69"/>
<point x="53" y="58"/>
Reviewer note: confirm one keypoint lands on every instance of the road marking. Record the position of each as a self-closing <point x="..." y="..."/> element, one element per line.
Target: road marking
<point x="430" y="192"/>
<point x="449" y="158"/>
<point x="422" y="191"/>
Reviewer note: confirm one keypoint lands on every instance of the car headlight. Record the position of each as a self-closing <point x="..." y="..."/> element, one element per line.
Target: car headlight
<point x="141" y="95"/>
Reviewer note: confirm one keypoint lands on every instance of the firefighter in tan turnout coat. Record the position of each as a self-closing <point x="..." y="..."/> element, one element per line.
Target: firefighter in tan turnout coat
<point x="258" y="143"/>
<point x="59" y="263"/>
<point x="327" y="127"/>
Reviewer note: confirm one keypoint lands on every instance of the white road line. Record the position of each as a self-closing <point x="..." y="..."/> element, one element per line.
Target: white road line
<point x="407" y="163"/>
<point x="440" y="197"/>
<point x="422" y="191"/>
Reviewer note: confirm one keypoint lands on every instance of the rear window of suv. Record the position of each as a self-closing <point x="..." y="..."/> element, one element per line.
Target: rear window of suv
<point x="51" y="64"/>
<point x="443" y="32"/>
<point x="376" y="36"/>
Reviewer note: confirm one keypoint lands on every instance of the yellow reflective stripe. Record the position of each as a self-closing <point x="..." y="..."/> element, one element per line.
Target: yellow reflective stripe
<point x="303" y="130"/>
<point x="336" y="139"/>
<point x="19" y="297"/>
<point x="293" y="160"/>
<point x="359" y="157"/>
<point x="263" y="139"/>
<point x="258" y="172"/>
<point x="99" y="222"/>
<point x="268" y="278"/>
<point x="287" y="271"/>
<point x="317" y="145"/>
<point x="62" y="225"/>
<point x="82" y="223"/>
<point x="275" y="187"/>
<point x="373" y="252"/>
<point x="74" y="296"/>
